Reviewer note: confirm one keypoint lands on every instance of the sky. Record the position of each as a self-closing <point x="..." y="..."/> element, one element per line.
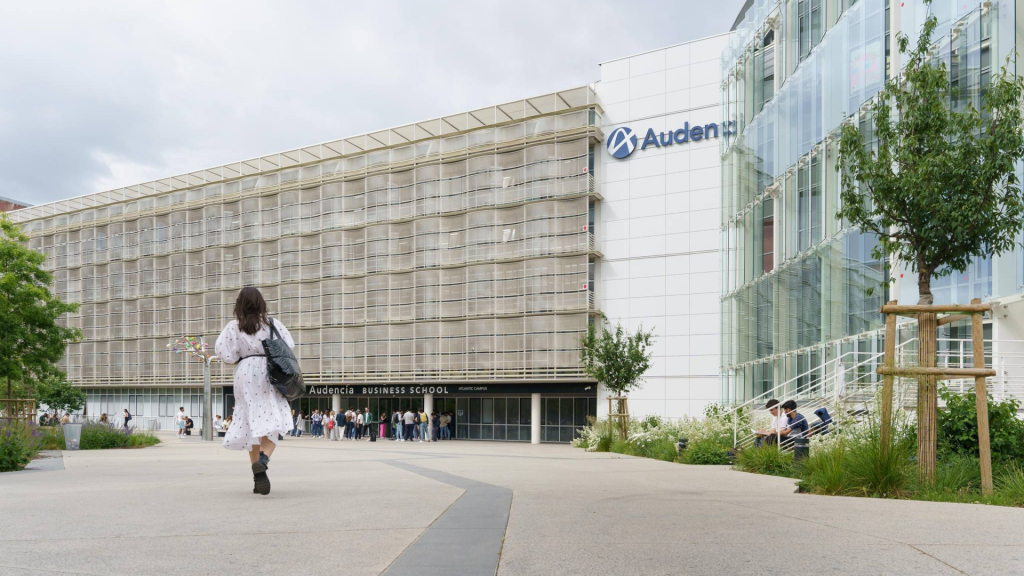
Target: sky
<point x="100" y="95"/>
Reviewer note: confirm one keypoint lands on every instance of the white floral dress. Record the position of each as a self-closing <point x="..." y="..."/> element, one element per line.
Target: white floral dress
<point x="259" y="409"/>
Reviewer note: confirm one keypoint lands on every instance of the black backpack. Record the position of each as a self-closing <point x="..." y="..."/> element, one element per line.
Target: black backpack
<point x="283" y="366"/>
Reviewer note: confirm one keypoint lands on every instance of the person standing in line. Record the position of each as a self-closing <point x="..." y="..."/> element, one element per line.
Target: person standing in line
<point x="348" y="424"/>
<point x="408" y="419"/>
<point x="367" y="422"/>
<point x="316" y="418"/>
<point x="263" y="413"/>
<point x="295" y="423"/>
<point x="423" y="427"/>
<point x="396" y="425"/>
<point x="435" y="426"/>
<point x="339" y="425"/>
<point x="300" y="423"/>
<point x="443" y="422"/>
<point x="331" y="430"/>
<point x="180" y="423"/>
<point x="359" y="425"/>
<point x="383" y="426"/>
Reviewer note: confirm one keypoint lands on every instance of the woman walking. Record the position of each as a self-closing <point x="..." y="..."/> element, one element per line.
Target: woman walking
<point x="262" y="412"/>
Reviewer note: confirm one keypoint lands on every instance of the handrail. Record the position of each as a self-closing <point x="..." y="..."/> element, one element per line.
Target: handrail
<point x="829" y="375"/>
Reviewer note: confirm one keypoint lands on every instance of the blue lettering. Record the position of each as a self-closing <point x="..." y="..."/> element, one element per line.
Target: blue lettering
<point x="708" y="129"/>
<point x="696" y="133"/>
<point x="650" y="139"/>
<point x="682" y="135"/>
<point x="665" y="140"/>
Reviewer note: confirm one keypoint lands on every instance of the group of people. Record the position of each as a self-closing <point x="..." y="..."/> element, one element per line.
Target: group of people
<point x="412" y="426"/>
<point x="788" y="424"/>
<point x="419" y="426"/>
<point x="221" y="425"/>
<point x="52" y="419"/>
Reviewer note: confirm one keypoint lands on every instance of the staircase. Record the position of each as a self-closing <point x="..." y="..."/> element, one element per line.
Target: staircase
<point x="850" y="385"/>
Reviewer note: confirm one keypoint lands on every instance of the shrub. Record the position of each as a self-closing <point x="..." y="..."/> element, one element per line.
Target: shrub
<point x="767" y="459"/>
<point x="706" y="451"/>
<point x="1010" y="483"/>
<point x="874" y="471"/>
<point x="661" y="449"/>
<point x="824" y="472"/>
<point x="96" y="436"/>
<point x="958" y="426"/>
<point x="17" y="446"/>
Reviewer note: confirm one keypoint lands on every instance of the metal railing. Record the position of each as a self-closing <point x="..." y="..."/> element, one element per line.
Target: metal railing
<point x="852" y="389"/>
<point x="846" y="383"/>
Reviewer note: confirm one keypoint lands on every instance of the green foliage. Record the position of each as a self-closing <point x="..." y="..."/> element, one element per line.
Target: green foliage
<point x="17" y="446"/>
<point x="618" y="360"/>
<point x="1010" y="483"/>
<point x="33" y="342"/>
<point x="58" y="394"/>
<point x="873" y="470"/>
<point x="767" y="459"/>
<point x="706" y="451"/>
<point x="824" y="472"/>
<point x="958" y="426"/>
<point x="937" y="184"/>
<point x="97" y="436"/>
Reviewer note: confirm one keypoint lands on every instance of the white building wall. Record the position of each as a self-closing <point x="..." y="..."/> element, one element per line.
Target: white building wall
<point x="658" y="225"/>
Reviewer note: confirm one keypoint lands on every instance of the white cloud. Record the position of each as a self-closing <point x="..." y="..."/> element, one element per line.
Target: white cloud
<point x="99" y="95"/>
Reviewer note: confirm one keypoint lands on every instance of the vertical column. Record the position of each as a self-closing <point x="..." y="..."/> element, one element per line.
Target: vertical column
<point x="535" y="418"/>
<point x="336" y="403"/>
<point x="428" y="407"/>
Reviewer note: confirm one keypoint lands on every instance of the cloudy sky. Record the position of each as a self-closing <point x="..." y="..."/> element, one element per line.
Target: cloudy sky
<point x="98" y="95"/>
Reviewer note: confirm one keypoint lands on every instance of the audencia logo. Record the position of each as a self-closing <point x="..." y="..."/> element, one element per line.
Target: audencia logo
<point x="621" y="142"/>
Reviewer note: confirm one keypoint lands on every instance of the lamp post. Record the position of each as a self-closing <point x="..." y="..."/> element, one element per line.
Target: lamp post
<point x="199" y="348"/>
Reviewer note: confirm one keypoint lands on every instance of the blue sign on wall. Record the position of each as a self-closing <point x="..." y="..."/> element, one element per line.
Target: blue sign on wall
<point x="622" y="140"/>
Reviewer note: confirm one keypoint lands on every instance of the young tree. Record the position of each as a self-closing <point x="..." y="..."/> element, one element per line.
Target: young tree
<point x="940" y="188"/>
<point x="59" y="395"/>
<point x="32" y="341"/>
<point x="616" y="359"/>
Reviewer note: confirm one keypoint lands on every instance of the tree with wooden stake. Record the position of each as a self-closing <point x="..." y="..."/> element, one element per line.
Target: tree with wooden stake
<point x="938" y="188"/>
<point x="617" y="360"/>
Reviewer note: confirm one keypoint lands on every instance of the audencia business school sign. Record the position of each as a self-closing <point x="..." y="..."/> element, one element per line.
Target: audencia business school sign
<point x="622" y="140"/>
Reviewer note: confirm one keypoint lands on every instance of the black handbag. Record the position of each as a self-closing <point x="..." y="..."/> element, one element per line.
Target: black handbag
<point x="283" y="366"/>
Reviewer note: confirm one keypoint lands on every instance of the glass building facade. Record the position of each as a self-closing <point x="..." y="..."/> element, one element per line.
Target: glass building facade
<point x="800" y="286"/>
<point x="455" y="250"/>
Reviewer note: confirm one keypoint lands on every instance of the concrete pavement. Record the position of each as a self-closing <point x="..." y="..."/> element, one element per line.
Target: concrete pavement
<point x="453" y="508"/>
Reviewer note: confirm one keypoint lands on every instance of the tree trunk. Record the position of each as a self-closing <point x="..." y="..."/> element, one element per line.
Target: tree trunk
<point x="927" y="398"/>
<point x="924" y="285"/>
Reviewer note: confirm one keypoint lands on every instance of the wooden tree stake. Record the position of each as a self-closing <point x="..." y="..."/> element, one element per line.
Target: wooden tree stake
<point x="887" y="381"/>
<point x="981" y="394"/>
<point x="927" y="397"/>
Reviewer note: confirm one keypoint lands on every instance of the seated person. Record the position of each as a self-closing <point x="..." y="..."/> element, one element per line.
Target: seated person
<point x="821" y="426"/>
<point x="778" y="422"/>
<point x="797" y="426"/>
<point x="218" y="423"/>
<point x="188" y="426"/>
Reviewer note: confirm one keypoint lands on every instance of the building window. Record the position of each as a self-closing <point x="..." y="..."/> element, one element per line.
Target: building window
<point x="768" y="237"/>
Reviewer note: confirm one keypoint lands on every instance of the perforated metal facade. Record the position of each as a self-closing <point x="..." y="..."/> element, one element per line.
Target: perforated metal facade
<point x="461" y="256"/>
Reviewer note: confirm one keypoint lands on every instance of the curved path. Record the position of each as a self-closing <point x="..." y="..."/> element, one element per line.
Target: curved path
<point x="467" y="508"/>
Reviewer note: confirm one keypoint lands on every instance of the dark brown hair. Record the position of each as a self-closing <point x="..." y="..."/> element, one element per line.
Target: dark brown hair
<point x="251" y="310"/>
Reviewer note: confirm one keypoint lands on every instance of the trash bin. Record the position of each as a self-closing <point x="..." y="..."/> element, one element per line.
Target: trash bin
<point x="801" y="449"/>
<point x="72" y="436"/>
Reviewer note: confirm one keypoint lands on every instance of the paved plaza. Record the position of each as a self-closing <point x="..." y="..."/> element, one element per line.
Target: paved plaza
<point x="466" y="508"/>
